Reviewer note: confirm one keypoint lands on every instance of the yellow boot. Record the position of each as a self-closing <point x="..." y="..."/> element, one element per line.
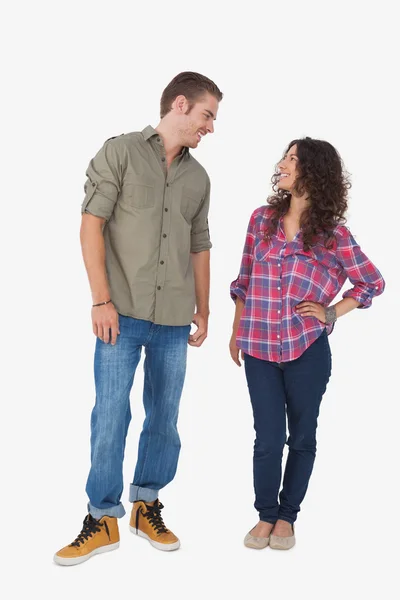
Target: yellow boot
<point x="146" y="521"/>
<point x="96" y="537"/>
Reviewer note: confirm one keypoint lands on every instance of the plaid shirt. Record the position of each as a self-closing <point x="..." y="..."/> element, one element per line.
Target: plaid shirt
<point x="275" y="275"/>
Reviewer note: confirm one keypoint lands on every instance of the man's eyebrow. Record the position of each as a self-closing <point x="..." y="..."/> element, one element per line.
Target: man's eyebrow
<point x="210" y="113"/>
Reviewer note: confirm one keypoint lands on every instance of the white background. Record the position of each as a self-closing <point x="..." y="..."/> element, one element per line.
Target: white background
<point x="79" y="73"/>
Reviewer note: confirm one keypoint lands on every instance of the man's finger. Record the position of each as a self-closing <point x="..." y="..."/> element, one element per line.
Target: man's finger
<point x="114" y="333"/>
<point x="106" y="334"/>
<point x="197" y="340"/>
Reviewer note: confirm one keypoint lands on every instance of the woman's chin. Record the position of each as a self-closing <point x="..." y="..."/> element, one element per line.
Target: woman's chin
<point x="281" y="186"/>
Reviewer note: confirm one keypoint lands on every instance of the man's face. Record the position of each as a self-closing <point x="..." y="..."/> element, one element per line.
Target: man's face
<point x="198" y="121"/>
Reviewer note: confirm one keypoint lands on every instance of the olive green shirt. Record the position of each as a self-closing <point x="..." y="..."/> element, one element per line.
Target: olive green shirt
<point x="154" y="219"/>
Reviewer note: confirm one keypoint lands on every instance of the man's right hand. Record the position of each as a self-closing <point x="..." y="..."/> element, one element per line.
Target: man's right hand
<point x="104" y="319"/>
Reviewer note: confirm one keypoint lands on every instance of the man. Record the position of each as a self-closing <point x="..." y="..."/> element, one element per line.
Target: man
<point x="145" y="244"/>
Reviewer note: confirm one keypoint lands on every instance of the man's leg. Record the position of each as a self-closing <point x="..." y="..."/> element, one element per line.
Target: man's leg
<point x="159" y="444"/>
<point x="114" y="372"/>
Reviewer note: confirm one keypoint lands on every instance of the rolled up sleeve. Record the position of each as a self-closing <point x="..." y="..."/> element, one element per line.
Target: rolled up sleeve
<point x="103" y="182"/>
<point x="362" y="273"/>
<point x="200" y="233"/>
<point x="239" y="287"/>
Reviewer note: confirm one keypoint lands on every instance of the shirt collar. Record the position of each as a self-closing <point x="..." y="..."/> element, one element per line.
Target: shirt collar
<point x="149" y="132"/>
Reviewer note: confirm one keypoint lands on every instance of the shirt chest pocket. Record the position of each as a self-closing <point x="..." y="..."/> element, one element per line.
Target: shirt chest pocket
<point x="138" y="195"/>
<point x="262" y="247"/>
<point x="321" y="256"/>
<point x="190" y="203"/>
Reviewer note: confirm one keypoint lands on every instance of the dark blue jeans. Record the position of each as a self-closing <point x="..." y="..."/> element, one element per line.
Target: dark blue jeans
<point x="295" y="389"/>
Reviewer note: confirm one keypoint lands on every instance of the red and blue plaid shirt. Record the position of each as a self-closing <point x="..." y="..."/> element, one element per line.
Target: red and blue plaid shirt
<point x="275" y="275"/>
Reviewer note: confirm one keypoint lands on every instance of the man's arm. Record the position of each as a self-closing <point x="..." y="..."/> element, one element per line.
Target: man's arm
<point x="201" y="270"/>
<point x="104" y="317"/>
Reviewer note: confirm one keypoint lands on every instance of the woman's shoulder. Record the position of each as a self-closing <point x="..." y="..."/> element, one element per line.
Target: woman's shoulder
<point x="341" y="231"/>
<point x="261" y="215"/>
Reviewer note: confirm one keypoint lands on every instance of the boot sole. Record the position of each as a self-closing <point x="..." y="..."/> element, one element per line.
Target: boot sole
<point x="69" y="562"/>
<point x="163" y="547"/>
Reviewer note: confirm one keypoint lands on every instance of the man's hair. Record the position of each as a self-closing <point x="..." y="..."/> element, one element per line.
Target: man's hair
<point x="191" y="85"/>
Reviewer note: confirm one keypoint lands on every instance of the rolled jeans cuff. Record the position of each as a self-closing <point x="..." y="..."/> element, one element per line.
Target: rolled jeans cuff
<point x="140" y="493"/>
<point x="113" y="511"/>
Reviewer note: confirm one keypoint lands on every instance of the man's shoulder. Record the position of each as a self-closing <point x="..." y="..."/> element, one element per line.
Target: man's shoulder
<point x="125" y="139"/>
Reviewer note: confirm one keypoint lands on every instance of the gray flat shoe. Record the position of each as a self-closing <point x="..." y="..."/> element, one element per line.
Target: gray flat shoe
<point x="282" y="543"/>
<point x="258" y="543"/>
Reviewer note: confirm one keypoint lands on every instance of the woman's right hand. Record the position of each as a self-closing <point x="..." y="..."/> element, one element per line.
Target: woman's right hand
<point x="235" y="350"/>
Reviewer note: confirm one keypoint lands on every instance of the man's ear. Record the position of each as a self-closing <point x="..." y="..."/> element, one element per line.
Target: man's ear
<point x="180" y="104"/>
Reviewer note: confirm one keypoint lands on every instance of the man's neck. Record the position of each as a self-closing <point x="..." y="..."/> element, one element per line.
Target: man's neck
<point x="171" y="144"/>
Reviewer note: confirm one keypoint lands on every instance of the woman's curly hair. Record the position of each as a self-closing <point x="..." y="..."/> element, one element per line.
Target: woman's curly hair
<point x="322" y="176"/>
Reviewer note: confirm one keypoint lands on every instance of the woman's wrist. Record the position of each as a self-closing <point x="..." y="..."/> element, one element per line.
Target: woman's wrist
<point x="330" y="315"/>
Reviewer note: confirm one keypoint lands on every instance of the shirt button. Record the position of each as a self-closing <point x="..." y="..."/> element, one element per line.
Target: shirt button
<point x="279" y="312"/>
<point x="163" y="159"/>
<point x="161" y="262"/>
<point x="164" y="235"/>
<point x="279" y="265"/>
<point x="158" y="140"/>
<point x="167" y="184"/>
<point x="376" y="287"/>
<point x="159" y="287"/>
<point x="279" y="287"/>
<point x="166" y="209"/>
<point x="278" y="336"/>
<point x="93" y="184"/>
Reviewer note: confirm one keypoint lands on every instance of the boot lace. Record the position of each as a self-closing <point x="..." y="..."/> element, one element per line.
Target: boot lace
<point x="154" y="517"/>
<point x="90" y="526"/>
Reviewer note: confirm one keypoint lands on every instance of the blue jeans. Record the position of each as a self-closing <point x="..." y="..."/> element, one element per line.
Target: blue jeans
<point x="295" y="389"/>
<point x="159" y="444"/>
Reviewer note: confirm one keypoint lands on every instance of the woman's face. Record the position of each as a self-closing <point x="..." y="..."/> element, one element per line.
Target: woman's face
<point x="287" y="168"/>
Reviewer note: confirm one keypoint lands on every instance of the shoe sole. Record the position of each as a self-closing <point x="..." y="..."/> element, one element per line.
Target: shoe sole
<point x="69" y="562"/>
<point x="162" y="547"/>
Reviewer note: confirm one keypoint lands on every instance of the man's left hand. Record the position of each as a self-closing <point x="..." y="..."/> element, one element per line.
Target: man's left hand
<point x="197" y="337"/>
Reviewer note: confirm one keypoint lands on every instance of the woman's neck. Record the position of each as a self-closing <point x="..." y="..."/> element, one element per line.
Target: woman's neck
<point x="298" y="204"/>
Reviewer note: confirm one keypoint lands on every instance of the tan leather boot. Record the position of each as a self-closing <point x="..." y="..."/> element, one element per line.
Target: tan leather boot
<point x="97" y="536"/>
<point x="146" y="521"/>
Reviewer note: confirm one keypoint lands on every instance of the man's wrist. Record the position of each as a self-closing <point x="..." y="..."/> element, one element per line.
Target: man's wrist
<point x="101" y="303"/>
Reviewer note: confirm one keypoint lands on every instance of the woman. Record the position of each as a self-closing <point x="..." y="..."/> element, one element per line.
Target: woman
<point x="296" y="258"/>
